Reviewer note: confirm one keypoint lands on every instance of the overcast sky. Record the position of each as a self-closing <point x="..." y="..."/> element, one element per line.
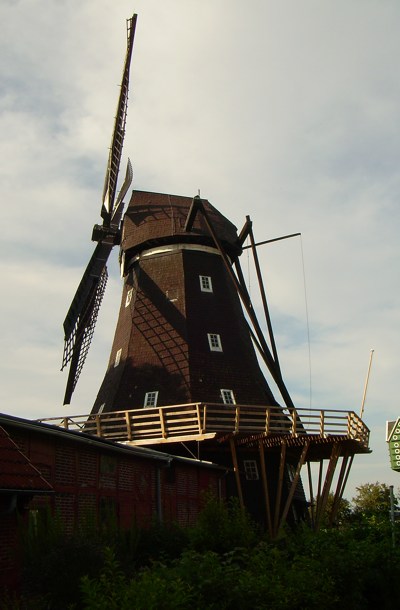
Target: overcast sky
<point x="285" y="110"/>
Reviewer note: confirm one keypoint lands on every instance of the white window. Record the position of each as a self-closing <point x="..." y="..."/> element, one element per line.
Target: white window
<point x="150" y="399"/>
<point x="128" y="297"/>
<point x="228" y="397"/>
<point x="205" y="283"/>
<point x="214" y="341"/>
<point x="251" y="470"/>
<point x="117" y="357"/>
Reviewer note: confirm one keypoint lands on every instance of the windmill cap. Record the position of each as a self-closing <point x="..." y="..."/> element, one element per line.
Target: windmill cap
<point x="154" y="219"/>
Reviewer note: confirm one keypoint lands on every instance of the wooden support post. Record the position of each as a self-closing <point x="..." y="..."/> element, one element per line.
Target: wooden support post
<point x="265" y="487"/>
<point x="236" y="471"/>
<point x="293" y="413"/>
<point x="327" y="485"/>
<point x="128" y="426"/>
<point x="237" y="419"/>
<point x="321" y="467"/>
<point x="279" y="488"/>
<point x="293" y="485"/>
<point x="312" y="503"/>
<point x="98" y="425"/>
<point x="162" y="423"/>
<point x="322" y="423"/>
<point x="198" y="419"/>
<point x="204" y="419"/>
<point x="267" y="419"/>
<point x="340" y="487"/>
<point x="337" y="495"/>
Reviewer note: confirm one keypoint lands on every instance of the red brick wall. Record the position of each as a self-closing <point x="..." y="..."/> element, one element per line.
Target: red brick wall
<point x="87" y="477"/>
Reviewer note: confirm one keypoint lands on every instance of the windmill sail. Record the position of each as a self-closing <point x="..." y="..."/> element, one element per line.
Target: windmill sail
<point x="114" y="159"/>
<point x="82" y="315"/>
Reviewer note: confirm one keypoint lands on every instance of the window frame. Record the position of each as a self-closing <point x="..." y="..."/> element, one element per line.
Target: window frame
<point x="206" y="283"/>
<point x="251" y="470"/>
<point x="214" y="342"/>
<point x="224" y="395"/>
<point x="147" y="397"/>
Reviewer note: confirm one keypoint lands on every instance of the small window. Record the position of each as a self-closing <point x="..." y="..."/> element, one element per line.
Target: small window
<point x="205" y="283"/>
<point x="150" y="399"/>
<point x="128" y="297"/>
<point x="117" y="357"/>
<point x="251" y="470"/>
<point x="214" y="342"/>
<point x="172" y="295"/>
<point x="228" y="397"/>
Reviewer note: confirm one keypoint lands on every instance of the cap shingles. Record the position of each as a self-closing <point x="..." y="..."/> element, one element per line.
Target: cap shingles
<point x="17" y="473"/>
<point x="156" y="218"/>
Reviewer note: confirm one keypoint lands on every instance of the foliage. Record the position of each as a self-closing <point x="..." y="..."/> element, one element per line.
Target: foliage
<point x="221" y="562"/>
<point x="332" y="569"/>
<point x="372" y="500"/>
<point x="222" y="527"/>
<point x="343" y="512"/>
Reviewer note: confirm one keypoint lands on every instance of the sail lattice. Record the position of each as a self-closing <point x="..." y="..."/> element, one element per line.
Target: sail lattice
<point x="76" y="346"/>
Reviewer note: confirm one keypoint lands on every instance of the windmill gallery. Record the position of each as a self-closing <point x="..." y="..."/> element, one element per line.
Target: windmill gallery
<point x="184" y="405"/>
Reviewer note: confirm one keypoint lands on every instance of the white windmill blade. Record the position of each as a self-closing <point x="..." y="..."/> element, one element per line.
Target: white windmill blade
<point x="119" y="204"/>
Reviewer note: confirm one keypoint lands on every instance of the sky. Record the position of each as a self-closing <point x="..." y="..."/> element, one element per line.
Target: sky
<point x="283" y="110"/>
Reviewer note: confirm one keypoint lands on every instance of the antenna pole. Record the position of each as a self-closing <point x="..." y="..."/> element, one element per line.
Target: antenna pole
<point x="366" y="383"/>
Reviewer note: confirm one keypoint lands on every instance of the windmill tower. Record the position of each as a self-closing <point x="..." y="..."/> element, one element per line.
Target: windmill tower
<point x="183" y="369"/>
<point x="181" y="335"/>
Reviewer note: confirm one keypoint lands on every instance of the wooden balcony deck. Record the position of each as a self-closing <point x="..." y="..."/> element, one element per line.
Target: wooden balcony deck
<point x="200" y="421"/>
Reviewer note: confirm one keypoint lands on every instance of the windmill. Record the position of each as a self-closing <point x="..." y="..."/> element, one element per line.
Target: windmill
<point x="81" y="318"/>
<point x="183" y="368"/>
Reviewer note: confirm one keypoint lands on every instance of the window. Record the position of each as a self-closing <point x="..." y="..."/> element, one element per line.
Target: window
<point x="214" y="342"/>
<point x="117" y="357"/>
<point x="250" y="470"/>
<point x="205" y="283"/>
<point x="172" y="295"/>
<point x="128" y="297"/>
<point x="228" y="397"/>
<point x="101" y="408"/>
<point x="150" y="399"/>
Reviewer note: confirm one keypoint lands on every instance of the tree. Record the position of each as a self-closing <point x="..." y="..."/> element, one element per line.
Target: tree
<point x="343" y="511"/>
<point x="372" y="499"/>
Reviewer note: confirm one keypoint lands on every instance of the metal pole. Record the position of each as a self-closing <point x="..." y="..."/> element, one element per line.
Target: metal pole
<point x="392" y="515"/>
<point x="366" y="384"/>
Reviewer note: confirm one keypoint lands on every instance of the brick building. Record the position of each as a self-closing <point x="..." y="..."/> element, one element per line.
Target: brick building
<point x="77" y="475"/>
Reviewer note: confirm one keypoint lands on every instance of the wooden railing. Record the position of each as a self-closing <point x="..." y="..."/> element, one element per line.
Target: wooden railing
<point x="199" y="421"/>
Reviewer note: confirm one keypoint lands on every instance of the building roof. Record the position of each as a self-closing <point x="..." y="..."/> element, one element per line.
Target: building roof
<point x="17" y="473"/>
<point x="152" y="219"/>
<point x="10" y="421"/>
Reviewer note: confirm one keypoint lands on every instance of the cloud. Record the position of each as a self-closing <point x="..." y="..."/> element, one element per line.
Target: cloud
<point x="285" y="111"/>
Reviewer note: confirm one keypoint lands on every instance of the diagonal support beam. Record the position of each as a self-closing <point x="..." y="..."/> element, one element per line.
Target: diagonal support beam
<point x="278" y="500"/>
<point x="323" y="499"/>
<point x="294" y="484"/>
<point x="236" y="471"/>
<point x="265" y="488"/>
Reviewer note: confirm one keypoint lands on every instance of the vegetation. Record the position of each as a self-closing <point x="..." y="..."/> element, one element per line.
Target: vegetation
<point x="221" y="562"/>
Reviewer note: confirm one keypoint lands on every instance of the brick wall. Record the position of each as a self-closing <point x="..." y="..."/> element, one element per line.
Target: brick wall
<point x="88" y="479"/>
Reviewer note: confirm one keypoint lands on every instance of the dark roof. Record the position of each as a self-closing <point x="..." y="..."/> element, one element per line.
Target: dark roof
<point x="12" y="422"/>
<point x="153" y="219"/>
<point x="17" y="473"/>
